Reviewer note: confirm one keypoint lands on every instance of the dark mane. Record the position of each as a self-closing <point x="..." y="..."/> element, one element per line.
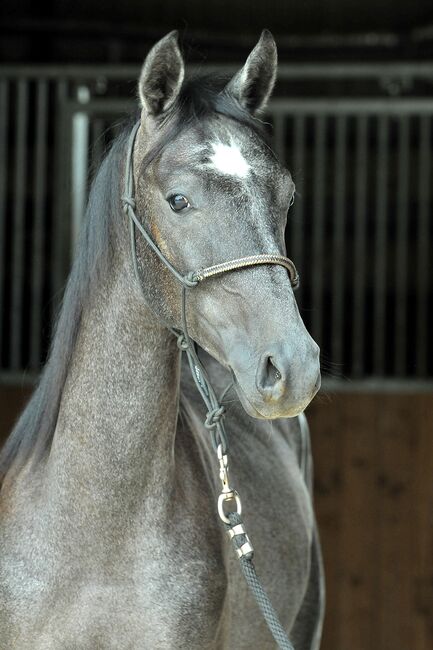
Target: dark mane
<point x="33" y="433"/>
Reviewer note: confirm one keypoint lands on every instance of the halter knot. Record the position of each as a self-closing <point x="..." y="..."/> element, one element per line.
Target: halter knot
<point x="182" y="343"/>
<point x="128" y="202"/>
<point x="190" y="279"/>
<point x="213" y="417"/>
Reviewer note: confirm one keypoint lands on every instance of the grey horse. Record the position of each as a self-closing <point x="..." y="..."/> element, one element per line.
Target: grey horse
<point x="109" y="536"/>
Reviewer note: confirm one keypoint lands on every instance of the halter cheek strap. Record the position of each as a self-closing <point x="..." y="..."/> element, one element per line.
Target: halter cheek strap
<point x="215" y="410"/>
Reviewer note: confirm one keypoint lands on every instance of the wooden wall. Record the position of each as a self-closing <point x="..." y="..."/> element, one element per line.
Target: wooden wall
<point x="374" y="501"/>
<point x="12" y="401"/>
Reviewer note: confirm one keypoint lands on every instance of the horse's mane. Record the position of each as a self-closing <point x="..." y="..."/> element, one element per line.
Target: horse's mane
<point x="34" y="430"/>
<point x="33" y="433"/>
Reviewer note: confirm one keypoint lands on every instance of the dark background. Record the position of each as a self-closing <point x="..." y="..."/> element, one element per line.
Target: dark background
<point x="372" y="440"/>
<point x="87" y="31"/>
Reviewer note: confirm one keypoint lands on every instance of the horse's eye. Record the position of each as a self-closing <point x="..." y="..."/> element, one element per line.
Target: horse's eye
<point x="178" y="202"/>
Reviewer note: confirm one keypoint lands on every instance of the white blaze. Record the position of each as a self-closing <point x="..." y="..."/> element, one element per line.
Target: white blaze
<point x="227" y="158"/>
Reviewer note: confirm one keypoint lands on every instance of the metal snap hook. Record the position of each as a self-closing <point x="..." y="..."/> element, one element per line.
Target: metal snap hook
<point x="228" y="496"/>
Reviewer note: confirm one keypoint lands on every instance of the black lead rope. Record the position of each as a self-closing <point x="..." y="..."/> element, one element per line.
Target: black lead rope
<point x="215" y="410"/>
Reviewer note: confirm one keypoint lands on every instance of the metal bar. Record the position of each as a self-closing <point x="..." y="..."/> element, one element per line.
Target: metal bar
<point x="381" y="248"/>
<point x="401" y="257"/>
<point x="339" y="244"/>
<point x="296" y="214"/>
<point x="4" y="118"/>
<point x="401" y="70"/>
<point x="80" y="168"/>
<point x="59" y="198"/>
<point x="423" y="256"/>
<point x="332" y="106"/>
<point x="279" y="140"/>
<point x="360" y="213"/>
<point x="378" y="385"/>
<point x="353" y="106"/>
<point x="18" y="215"/>
<point x="38" y="239"/>
<point x="319" y="201"/>
<point x="67" y="250"/>
<point x="79" y="162"/>
<point x="17" y="378"/>
<point x="106" y="107"/>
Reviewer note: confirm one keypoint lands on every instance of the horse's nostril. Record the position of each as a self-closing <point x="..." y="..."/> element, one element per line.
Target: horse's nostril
<point x="271" y="378"/>
<point x="272" y="373"/>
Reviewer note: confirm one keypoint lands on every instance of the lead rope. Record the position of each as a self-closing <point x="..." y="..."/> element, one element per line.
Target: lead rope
<point x="232" y="520"/>
<point x="215" y="410"/>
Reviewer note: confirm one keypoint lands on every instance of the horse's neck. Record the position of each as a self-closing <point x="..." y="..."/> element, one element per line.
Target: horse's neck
<point x="117" y="421"/>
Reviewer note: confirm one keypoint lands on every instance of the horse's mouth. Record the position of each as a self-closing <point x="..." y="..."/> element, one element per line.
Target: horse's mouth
<point x="272" y="412"/>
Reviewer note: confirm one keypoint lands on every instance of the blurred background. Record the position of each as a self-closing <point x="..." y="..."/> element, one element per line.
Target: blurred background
<point x="352" y="119"/>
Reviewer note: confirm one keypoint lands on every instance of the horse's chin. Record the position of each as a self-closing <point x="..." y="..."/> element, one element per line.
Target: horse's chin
<point x="263" y="411"/>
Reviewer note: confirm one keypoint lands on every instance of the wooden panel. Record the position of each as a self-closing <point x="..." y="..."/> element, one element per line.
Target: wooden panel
<point x="12" y="401"/>
<point x="373" y="458"/>
<point x="374" y="502"/>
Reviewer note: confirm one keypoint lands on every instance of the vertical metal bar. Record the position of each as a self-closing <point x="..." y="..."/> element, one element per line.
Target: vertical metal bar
<point x="400" y="272"/>
<point x="19" y="199"/>
<point x="423" y="257"/>
<point x="339" y="244"/>
<point x="280" y="137"/>
<point x="79" y="162"/>
<point x="39" y="190"/>
<point x="296" y="214"/>
<point x="358" y="334"/>
<point x="80" y="167"/>
<point x="59" y="199"/>
<point x="380" y="249"/>
<point x="4" y="118"/>
<point x="319" y="199"/>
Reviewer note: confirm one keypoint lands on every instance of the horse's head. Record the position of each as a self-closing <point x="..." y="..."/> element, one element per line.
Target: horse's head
<point x="210" y="190"/>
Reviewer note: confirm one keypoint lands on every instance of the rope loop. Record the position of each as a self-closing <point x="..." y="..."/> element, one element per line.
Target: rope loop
<point x="128" y="202"/>
<point x="190" y="279"/>
<point x="182" y="343"/>
<point x="213" y="417"/>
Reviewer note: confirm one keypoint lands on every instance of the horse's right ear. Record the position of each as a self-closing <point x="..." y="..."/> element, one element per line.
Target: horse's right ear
<point x="253" y="84"/>
<point x="161" y="75"/>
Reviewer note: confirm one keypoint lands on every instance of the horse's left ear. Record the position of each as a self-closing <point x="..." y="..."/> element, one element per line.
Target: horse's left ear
<point x="161" y="75"/>
<point x="253" y="84"/>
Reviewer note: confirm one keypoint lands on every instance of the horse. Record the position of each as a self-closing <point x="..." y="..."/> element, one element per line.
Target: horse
<point x="109" y="537"/>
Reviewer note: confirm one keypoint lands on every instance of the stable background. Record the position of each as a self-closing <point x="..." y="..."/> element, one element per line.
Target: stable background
<point x="352" y="118"/>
